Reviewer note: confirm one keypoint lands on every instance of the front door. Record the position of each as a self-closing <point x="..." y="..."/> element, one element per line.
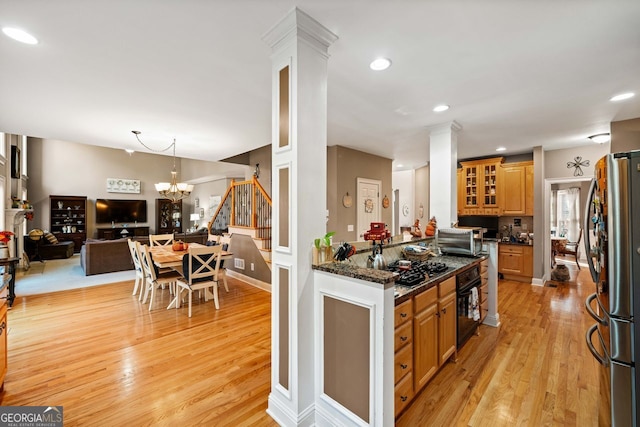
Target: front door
<point x="368" y="204"/>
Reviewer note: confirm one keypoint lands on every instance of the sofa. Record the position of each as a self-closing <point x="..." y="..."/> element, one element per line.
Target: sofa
<point x="105" y="256"/>
<point x="43" y="249"/>
<point x="108" y="256"/>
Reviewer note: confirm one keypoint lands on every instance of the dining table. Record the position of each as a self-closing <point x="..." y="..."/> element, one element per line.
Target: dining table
<point x="166" y="257"/>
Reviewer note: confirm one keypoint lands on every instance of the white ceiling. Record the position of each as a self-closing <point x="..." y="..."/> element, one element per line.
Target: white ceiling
<point x="515" y="73"/>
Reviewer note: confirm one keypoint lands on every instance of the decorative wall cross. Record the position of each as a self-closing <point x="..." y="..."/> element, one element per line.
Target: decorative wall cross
<point x="577" y="164"/>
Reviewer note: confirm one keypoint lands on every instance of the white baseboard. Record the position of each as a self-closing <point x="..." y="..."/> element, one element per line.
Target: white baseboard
<point x="250" y="280"/>
<point x="537" y="282"/>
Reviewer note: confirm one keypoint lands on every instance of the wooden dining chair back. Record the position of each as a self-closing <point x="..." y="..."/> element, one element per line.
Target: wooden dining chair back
<point x="572" y="248"/>
<point x="153" y="278"/>
<point x="134" y="249"/>
<point x="200" y="267"/>
<point x="160" y="239"/>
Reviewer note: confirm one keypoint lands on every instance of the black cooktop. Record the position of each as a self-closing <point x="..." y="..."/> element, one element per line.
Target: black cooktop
<point x="418" y="272"/>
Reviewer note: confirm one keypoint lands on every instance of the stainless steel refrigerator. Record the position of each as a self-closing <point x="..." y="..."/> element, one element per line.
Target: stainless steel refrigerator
<point x="612" y="243"/>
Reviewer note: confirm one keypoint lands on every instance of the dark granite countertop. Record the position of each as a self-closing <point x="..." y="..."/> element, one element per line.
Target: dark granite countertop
<point x="350" y="269"/>
<point x="515" y="243"/>
<point x="403" y="293"/>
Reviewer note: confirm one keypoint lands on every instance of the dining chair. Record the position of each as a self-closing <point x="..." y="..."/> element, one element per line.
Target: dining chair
<point x="572" y="248"/>
<point x="200" y="267"/>
<point x="224" y="242"/>
<point x="153" y="278"/>
<point x="160" y="239"/>
<point x="134" y="249"/>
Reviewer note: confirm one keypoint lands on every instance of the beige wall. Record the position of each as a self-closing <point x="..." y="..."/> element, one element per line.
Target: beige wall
<point x="67" y="168"/>
<point x="625" y="135"/>
<point x="422" y="195"/>
<point x="344" y="166"/>
<point x="555" y="161"/>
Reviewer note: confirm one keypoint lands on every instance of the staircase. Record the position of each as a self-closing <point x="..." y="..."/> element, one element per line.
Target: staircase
<point x="245" y="209"/>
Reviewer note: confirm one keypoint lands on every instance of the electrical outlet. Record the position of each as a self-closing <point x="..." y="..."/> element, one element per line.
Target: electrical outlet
<point x="252" y="267"/>
<point x="238" y="263"/>
<point x="350" y="227"/>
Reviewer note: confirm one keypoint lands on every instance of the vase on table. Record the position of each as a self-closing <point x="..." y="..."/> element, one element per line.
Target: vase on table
<point x="4" y="251"/>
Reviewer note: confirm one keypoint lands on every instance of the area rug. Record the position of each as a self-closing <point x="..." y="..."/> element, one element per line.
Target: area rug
<point x="62" y="274"/>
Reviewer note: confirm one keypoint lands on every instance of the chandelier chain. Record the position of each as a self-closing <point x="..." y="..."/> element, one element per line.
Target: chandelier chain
<point x="173" y="144"/>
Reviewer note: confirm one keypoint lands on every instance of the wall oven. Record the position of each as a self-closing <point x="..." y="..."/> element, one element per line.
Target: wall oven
<point x="467" y="292"/>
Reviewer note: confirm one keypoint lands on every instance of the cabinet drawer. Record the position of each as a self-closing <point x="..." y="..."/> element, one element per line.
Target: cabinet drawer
<point x="425" y="299"/>
<point x="512" y="249"/>
<point x="403" y="363"/>
<point x="403" y="335"/>
<point x="484" y="309"/>
<point x="483" y="292"/>
<point x="447" y="287"/>
<point x="403" y="393"/>
<point x="4" y="294"/>
<point x="403" y="312"/>
<point x="484" y="277"/>
<point x="484" y="266"/>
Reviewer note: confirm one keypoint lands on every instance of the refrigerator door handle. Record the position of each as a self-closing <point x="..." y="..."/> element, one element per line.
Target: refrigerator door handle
<point x="603" y="360"/>
<point x="585" y="231"/>
<point x="593" y="314"/>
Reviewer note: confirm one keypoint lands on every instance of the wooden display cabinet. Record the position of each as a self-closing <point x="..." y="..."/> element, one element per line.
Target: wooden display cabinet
<point x="480" y="187"/>
<point x="68" y="219"/>
<point x="168" y="216"/>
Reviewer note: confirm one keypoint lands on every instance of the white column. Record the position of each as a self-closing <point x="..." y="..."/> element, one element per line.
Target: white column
<point x="443" y="164"/>
<point x="299" y="174"/>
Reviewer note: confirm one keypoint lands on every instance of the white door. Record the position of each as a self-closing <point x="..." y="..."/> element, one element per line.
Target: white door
<point x="368" y="204"/>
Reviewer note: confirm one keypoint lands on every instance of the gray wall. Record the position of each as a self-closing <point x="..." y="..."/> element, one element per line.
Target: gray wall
<point x="346" y="165"/>
<point x="625" y="135"/>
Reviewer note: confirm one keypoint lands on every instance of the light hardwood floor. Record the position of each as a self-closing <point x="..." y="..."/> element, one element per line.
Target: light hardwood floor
<point x="110" y="362"/>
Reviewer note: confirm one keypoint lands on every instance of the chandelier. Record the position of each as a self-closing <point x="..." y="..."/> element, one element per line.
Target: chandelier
<point x="173" y="190"/>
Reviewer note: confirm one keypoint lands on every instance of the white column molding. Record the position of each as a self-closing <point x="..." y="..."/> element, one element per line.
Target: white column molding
<point x="299" y="168"/>
<point x="443" y="189"/>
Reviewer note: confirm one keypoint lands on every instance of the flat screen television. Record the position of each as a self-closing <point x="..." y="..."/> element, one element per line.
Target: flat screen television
<point x="121" y="211"/>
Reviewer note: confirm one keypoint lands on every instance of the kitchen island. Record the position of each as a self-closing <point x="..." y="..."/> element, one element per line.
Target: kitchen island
<point x="376" y="339"/>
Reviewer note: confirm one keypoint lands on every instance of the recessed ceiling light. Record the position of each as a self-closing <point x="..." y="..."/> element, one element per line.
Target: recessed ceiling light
<point x="440" y="108"/>
<point x="601" y="138"/>
<point x="501" y="149"/>
<point x="622" y="96"/>
<point x="20" y="35"/>
<point x="380" y="64"/>
<point x="399" y="166"/>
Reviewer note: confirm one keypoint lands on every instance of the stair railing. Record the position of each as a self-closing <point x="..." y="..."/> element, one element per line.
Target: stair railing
<point x="244" y="204"/>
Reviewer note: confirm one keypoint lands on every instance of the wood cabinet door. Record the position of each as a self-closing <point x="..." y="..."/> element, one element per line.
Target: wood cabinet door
<point x="527" y="261"/>
<point x="528" y="184"/>
<point x="471" y="188"/>
<point x="461" y="187"/>
<point x="510" y="263"/>
<point x="513" y="195"/>
<point x="425" y="346"/>
<point x="447" y="327"/>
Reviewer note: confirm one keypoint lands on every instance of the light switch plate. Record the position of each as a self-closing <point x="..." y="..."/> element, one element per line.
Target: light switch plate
<point x="350" y="227"/>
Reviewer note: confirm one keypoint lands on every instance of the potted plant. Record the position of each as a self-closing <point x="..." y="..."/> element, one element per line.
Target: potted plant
<point x="322" y="251"/>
